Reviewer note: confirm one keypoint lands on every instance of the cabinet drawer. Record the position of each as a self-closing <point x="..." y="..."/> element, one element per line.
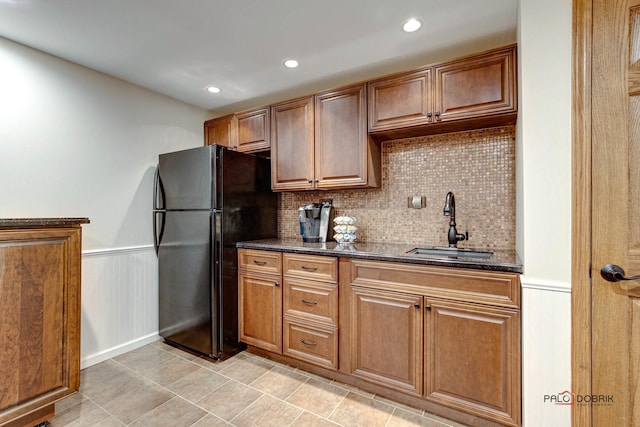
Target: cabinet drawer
<point x="312" y="343"/>
<point x="311" y="267"/>
<point x="313" y="300"/>
<point x="479" y="286"/>
<point x="259" y="261"/>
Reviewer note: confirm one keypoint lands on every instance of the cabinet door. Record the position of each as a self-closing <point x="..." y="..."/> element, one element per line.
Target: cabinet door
<point x="341" y="138"/>
<point x="292" y="145"/>
<point x="220" y="131"/>
<point x="400" y="101"/>
<point x="476" y="87"/>
<point x="260" y="311"/>
<point x="386" y="338"/>
<point x="254" y="130"/>
<point x="39" y="322"/>
<point x="472" y="359"/>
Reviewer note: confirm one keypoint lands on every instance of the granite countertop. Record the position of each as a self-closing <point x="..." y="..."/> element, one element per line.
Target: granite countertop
<point x="502" y="259"/>
<point x="8" y="223"/>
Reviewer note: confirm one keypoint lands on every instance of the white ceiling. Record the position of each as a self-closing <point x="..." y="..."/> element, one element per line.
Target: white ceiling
<point x="179" y="47"/>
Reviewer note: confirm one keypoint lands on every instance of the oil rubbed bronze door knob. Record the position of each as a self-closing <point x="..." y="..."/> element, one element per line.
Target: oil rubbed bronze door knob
<point x="615" y="273"/>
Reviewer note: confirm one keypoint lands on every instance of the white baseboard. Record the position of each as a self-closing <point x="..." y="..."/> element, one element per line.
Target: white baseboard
<point x="96" y="358"/>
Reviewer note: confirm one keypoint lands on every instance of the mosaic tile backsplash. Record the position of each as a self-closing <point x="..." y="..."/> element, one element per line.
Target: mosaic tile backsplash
<point x="478" y="166"/>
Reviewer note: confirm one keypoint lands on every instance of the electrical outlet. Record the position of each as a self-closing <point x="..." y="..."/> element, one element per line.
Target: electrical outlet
<point x="417" y="202"/>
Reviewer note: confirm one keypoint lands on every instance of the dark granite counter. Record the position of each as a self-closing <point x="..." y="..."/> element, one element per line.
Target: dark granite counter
<point x="11" y="223"/>
<point x="501" y="260"/>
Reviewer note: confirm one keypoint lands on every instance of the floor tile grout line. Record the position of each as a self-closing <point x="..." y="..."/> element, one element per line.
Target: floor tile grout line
<point x="289" y="395"/>
<point x="102" y="408"/>
<point x="338" y="405"/>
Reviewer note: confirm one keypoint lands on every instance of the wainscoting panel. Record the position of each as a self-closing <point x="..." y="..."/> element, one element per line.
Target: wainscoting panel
<point x="546" y="352"/>
<point x="119" y="302"/>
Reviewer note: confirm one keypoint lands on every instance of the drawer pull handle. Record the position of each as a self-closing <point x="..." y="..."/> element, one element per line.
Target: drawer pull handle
<point x="260" y="262"/>
<point x="310" y="344"/>
<point x="309" y="302"/>
<point x="304" y="267"/>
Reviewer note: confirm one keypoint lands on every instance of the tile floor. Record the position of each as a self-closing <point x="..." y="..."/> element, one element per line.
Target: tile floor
<point x="158" y="385"/>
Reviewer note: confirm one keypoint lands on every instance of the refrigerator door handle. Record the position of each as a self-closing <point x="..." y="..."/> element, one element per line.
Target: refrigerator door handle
<point x="157" y="210"/>
<point x="157" y="185"/>
<point x="157" y="237"/>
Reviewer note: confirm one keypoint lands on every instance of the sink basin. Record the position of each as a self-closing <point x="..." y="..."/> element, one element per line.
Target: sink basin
<point x="451" y="252"/>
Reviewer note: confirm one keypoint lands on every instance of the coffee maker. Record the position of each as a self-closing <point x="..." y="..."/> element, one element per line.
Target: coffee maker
<point x="315" y="221"/>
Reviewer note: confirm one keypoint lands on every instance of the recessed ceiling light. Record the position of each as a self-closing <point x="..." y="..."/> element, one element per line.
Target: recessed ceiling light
<point x="214" y="89"/>
<point x="411" y="25"/>
<point x="291" y="63"/>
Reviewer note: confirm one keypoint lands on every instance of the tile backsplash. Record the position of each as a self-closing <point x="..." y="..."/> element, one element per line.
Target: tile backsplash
<point x="478" y="166"/>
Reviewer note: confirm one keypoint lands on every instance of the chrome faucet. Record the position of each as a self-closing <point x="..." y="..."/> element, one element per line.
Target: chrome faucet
<point x="450" y="211"/>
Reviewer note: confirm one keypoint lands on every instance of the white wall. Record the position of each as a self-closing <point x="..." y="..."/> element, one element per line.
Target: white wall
<point x="544" y="205"/>
<point x="74" y="142"/>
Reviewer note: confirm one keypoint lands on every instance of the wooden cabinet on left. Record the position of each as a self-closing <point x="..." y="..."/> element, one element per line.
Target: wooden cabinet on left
<point x="247" y="131"/>
<point x="39" y="317"/>
<point x="221" y="131"/>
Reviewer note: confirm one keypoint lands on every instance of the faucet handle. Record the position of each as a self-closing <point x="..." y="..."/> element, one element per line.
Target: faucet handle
<point x="460" y="237"/>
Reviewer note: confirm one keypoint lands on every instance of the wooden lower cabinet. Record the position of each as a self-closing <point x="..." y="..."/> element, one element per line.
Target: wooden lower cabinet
<point x="441" y="338"/>
<point x="451" y="336"/>
<point x="386" y="338"/>
<point x="260" y="310"/>
<point x="39" y="321"/>
<point x="471" y="358"/>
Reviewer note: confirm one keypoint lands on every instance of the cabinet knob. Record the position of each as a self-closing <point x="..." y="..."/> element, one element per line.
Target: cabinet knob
<point x="416" y="305"/>
<point x="310" y="181"/>
<point x="427" y="307"/>
<point x="277" y="284"/>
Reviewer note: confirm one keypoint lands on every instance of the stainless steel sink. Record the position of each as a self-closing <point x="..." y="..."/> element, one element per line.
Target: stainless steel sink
<point x="451" y="252"/>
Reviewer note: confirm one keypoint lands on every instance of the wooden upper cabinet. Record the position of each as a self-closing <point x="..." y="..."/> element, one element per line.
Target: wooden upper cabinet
<point x="292" y="145"/>
<point x="468" y="93"/>
<point x="221" y="131"/>
<point x="254" y="130"/>
<point x="321" y="142"/>
<point x="345" y="157"/>
<point x="402" y="100"/>
<point x="475" y="87"/>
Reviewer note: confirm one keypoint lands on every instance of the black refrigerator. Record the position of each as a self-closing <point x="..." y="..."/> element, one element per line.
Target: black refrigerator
<point x="205" y="200"/>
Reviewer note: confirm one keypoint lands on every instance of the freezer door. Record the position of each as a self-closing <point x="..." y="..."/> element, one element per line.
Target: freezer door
<point x="186" y="179"/>
<point x="185" y="280"/>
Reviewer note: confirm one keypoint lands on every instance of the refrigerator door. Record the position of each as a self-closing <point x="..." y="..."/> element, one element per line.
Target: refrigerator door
<point x="185" y="277"/>
<point x="186" y="180"/>
<point x="249" y="212"/>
